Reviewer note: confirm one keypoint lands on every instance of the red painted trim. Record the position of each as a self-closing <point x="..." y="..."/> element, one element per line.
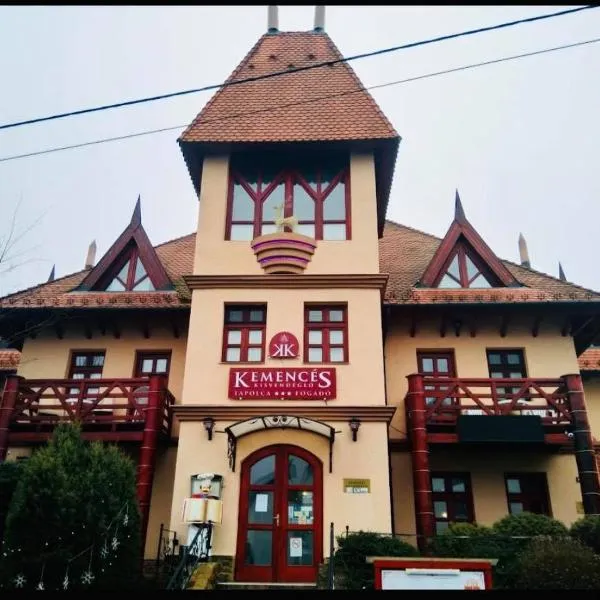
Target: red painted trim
<point x="289" y="178"/>
<point x="434" y="270"/>
<point x="278" y="570"/>
<point x="449" y="496"/>
<point x="527" y="480"/>
<point x="141" y="355"/>
<point x="325" y="326"/>
<point x="401" y="565"/>
<point x="133" y="237"/>
<point x="147" y="457"/>
<point x="245" y="326"/>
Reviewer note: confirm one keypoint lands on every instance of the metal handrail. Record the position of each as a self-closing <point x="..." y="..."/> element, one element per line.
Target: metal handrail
<point x="191" y="556"/>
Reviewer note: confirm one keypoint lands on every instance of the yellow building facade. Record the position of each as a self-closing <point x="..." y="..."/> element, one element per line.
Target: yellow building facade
<point x="322" y="368"/>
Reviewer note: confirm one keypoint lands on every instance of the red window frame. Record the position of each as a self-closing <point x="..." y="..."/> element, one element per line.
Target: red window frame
<point x="130" y="282"/>
<point x="507" y="368"/>
<point x="435" y="355"/>
<point x="246" y="325"/>
<point x="325" y="326"/>
<point x="532" y="495"/>
<point x="462" y="250"/>
<point x="153" y="355"/>
<point x="289" y="178"/>
<point x="451" y="498"/>
<point x="86" y="370"/>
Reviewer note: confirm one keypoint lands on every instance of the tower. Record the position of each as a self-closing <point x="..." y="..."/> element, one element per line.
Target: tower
<point x="293" y="171"/>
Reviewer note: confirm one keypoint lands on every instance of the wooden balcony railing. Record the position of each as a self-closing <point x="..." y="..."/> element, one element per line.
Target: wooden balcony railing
<point x="116" y="406"/>
<point x="447" y="398"/>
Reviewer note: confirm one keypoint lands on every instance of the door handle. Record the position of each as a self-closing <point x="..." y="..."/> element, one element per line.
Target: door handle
<point x="276" y="519"/>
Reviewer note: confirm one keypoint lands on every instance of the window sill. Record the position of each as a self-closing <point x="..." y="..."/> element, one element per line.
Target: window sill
<point x="243" y="364"/>
<point x="325" y="364"/>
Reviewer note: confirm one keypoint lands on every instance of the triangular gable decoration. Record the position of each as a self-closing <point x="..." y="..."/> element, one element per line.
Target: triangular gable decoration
<point x="464" y="260"/>
<point x="130" y="264"/>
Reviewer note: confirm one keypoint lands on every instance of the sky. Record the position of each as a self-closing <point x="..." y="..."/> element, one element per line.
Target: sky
<point x="518" y="139"/>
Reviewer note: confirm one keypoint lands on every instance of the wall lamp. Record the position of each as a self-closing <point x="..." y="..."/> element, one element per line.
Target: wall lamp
<point x="354" y="424"/>
<point x="209" y="424"/>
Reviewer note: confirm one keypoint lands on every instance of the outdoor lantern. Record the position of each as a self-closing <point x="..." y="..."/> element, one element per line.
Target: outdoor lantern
<point x="354" y="425"/>
<point x="209" y="424"/>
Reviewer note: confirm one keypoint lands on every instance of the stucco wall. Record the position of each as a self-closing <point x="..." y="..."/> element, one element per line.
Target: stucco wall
<point x="547" y="355"/>
<point x="364" y="459"/>
<point x="46" y="356"/>
<point x="591" y="387"/>
<point x="358" y="382"/>
<point x="487" y="470"/>
<point x="217" y="256"/>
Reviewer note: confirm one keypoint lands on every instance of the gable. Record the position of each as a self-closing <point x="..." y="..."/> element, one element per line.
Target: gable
<point x="464" y="260"/>
<point x="130" y="264"/>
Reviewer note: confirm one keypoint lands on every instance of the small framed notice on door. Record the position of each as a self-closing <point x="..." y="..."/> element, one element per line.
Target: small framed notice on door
<point x="261" y="504"/>
<point x="295" y="547"/>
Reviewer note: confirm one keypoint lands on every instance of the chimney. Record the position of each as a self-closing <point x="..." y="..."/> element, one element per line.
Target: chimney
<point x="523" y="252"/>
<point x="91" y="255"/>
<point x="273" y="19"/>
<point x="319" y="18"/>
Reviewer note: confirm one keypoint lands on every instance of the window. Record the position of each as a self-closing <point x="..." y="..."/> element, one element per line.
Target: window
<point x="506" y="364"/>
<point x="325" y="334"/>
<point x="244" y="333"/>
<point x="436" y="364"/>
<point x="452" y="499"/>
<point x="464" y="269"/>
<point x="527" y="492"/>
<point x="317" y="196"/>
<point x="86" y="365"/>
<point x="131" y="275"/>
<point x="150" y="363"/>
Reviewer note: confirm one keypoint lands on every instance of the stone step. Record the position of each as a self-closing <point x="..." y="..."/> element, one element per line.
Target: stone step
<point x="253" y="585"/>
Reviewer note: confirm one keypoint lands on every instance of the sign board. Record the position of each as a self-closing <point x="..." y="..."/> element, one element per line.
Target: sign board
<point x="284" y="384"/>
<point x="284" y="345"/>
<point x="357" y="486"/>
<point x="432" y="574"/>
<point x="579" y="507"/>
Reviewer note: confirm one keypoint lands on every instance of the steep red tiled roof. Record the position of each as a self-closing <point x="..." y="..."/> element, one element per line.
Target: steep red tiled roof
<point x="590" y="360"/>
<point x="9" y="360"/>
<point x="176" y="256"/>
<point x="404" y="253"/>
<point x="324" y="103"/>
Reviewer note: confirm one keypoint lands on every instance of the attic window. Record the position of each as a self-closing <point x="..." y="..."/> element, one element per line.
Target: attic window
<point x="132" y="276"/>
<point x="465" y="270"/>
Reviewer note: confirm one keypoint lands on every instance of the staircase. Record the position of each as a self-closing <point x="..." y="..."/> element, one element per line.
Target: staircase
<point x="241" y="585"/>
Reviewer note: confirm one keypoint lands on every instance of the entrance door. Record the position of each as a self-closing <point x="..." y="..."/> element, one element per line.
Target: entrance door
<point x="280" y="530"/>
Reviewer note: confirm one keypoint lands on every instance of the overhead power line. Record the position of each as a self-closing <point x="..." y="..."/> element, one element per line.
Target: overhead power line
<point x="300" y="102"/>
<point x="296" y="69"/>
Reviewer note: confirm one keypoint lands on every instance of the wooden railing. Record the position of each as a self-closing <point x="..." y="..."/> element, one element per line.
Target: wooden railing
<point x="447" y="398"/>
<point x="115" y="404"/>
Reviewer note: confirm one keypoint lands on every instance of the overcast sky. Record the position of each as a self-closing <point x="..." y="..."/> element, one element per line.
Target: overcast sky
<point x="519" y="139"/>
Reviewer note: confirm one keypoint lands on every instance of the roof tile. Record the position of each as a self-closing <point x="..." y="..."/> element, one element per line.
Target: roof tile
<point x="324" y="103"/>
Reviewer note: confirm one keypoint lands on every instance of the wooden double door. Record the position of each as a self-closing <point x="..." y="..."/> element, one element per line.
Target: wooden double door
<point x="280" y="529"/>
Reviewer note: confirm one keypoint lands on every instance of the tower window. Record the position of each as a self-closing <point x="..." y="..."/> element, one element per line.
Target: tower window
<point x="317" y="196"/>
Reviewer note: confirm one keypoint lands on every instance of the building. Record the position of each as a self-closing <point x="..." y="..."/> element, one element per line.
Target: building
<point x="333" y="367"/>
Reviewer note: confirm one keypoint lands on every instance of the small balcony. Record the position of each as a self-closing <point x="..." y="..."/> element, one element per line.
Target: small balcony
<point x="526" y="410"/>
<point x="111" y="410"/>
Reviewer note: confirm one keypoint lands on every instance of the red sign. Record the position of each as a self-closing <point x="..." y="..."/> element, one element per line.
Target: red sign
<point x="287" y="384"/>
<point x="284" y="345"/>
